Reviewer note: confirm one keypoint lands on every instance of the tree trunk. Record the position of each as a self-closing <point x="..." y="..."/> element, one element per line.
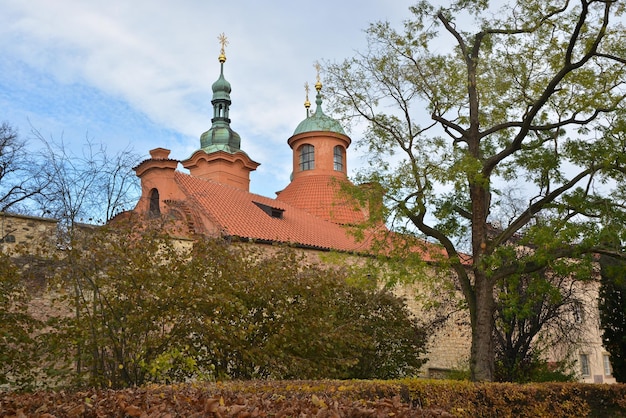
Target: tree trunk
<point x="482" y="354"/>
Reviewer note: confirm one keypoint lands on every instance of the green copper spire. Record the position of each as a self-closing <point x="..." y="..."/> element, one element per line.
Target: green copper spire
<point x="318" y="121"/>
<point x="221" y="137"/>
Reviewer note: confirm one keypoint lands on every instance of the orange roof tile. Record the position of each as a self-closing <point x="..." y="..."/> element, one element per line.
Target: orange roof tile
<point x="237" y="214"/>
<point x="321" y="196"/>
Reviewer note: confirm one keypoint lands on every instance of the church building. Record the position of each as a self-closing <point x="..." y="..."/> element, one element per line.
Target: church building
<point x="213" y="198"/>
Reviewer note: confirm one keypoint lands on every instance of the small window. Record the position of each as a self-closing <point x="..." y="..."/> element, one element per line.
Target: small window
<point x="578" y="312"/>
<point x="154" y="203"/>
<point x="307" y="157"/>
<point x="220" y="111"/>
<point x="584" y="365"/>
<point x="338" y="158"/>
<point x="8" y="238"/>
<point x="606" y="361"/>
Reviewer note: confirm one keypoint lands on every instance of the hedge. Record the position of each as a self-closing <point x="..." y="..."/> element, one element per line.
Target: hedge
<point x="397" y="398"/>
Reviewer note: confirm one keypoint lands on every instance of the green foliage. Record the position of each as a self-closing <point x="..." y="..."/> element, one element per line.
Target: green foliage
<point x="146" y="308"/>
<point x="120" y="317"/>
<point x="612" y="305"/>
<point x="174" y="366"/>
<point x="533" y="368"/>
<point x="534" y="312"/>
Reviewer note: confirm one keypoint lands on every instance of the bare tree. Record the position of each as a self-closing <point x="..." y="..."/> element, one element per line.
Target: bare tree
<point x="91" y="186"/>
<point x="20" y="178"/>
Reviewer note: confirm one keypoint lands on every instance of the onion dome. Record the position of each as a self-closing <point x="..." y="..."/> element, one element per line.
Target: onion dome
<point x="221" y="88"/>
<point x="318" y="121"/>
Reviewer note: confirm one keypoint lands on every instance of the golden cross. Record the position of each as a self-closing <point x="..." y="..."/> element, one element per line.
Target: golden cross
<point x="318" y="68"/>
<point x="306" y="89"/>
<point x="223" y="41"/>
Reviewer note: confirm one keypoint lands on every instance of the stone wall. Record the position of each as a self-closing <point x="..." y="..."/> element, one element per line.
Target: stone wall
<point x="30" y="234"/>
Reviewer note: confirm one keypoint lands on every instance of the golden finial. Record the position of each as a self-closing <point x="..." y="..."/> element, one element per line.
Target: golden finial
<point x="318" y="83"/>
<point x="223" y="42"/>
<point x="307" y="104"/>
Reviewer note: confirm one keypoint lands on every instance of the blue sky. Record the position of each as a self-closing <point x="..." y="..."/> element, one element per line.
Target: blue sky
<point x="138" y="73"/>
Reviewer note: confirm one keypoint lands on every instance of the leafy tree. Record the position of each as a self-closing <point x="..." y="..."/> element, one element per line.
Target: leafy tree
<point x="395" y="340"/>
<point x="612" y="306"/>
<point x="534" y="312"/>
<point x="150" y="308"/>
<point x="20" y="178"/>
<point x="124" y="318"/>
<point x="310" y="323"/>
<point x="529" y="97"/>
<point x="279" y="316"/>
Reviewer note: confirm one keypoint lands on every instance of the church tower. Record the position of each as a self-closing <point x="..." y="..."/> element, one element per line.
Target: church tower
<point x="319" y="146"/>
<point x="220" y="157"/>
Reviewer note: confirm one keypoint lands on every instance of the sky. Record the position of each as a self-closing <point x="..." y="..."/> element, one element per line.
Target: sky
<point x="138" y="74"/>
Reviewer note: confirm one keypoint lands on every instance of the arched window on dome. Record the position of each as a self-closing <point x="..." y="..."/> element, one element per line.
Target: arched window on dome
<point x="338" y="158"/>
<point x="154" y="203"/>
<point x="307" y="157"/>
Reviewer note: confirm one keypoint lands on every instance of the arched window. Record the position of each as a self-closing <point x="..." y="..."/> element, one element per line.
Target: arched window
<point x="338" y="158"/>
<point x="154" y="203"/>
<point x="307" y="157"/>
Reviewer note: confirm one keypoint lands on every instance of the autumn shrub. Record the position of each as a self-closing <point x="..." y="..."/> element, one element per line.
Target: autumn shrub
<point x="148" y="308"/>
<point x="533" y="368"/>
<point x="282" y="317"/>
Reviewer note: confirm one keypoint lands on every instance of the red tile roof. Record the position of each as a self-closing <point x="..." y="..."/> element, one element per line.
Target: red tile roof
<point x="321" y="196"/>
<point x="236" y="214"/>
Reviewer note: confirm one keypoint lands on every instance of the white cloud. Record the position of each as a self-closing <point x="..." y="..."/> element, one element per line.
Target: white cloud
<point x="158" y="58"/>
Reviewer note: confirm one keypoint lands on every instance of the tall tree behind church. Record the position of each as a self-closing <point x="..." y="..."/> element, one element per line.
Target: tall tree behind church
<point x="471" y="100"/>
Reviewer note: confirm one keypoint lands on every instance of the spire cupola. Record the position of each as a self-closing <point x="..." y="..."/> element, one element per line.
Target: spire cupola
<point x="318" y="121"/>
<point x="220" y="157"/>
<point x="221" y="137"/>
<point x="319" y="159"/>
<point x="319" y="143"/>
